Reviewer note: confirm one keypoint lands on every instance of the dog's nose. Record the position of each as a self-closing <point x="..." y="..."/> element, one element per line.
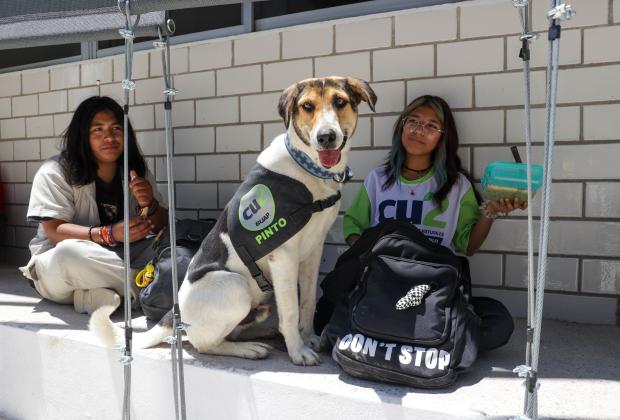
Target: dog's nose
<point x="326" y="137"/>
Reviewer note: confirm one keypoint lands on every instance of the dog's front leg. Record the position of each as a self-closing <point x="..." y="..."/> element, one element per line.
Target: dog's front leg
<point x="308" y="275"/>
<point x="284" y="272"/>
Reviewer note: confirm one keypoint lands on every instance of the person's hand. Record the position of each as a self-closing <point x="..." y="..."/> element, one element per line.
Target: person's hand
<point x="351" y="239"/>
<point x="141" y="189"/>
<point x="503" y="206"/>
<point x="138" y="229"/>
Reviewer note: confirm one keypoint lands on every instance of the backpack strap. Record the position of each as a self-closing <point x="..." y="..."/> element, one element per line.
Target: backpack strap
<point x="320" y="205"/>
<point x="255" y="271"/>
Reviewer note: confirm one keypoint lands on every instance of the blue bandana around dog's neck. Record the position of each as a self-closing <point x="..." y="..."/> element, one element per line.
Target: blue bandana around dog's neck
<point x="311" y="167"/>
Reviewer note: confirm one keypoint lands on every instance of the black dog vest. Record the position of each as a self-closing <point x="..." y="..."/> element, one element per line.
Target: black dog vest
<point x="266" y="211"/>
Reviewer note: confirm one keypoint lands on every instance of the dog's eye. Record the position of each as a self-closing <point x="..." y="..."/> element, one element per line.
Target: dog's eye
<point x="307" y="106"/>
<point x="340" y="103"/>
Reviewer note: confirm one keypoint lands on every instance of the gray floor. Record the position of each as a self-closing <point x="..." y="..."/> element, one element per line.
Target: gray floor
<point x="579" y="374"/>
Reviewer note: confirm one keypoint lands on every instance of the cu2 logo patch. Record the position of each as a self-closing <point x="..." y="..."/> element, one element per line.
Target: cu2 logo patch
<point x="257" y="208"/>
<point x="411" y="211"/>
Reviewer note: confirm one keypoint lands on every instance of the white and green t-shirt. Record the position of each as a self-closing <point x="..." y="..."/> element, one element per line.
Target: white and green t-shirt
<point x="449" y="224"/>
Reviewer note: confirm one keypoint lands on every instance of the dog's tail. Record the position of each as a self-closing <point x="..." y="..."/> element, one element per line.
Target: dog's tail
<point x="112" y="335"/>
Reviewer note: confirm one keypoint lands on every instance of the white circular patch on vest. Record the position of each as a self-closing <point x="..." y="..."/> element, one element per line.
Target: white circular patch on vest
<point x="257" y="208"/>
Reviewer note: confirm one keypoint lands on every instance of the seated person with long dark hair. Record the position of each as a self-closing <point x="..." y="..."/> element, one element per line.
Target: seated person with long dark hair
<point x="422" y="181"/>
<point x="77" y="198"/>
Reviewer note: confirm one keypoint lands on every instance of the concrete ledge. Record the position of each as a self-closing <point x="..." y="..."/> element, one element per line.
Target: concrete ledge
<point x="52" y="368"/>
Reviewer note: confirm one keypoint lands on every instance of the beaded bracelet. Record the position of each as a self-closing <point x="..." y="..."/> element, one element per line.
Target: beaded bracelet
<point x="90" y="234"/>
<point x="485" y="212"/>
<point x="101" y="235"/>
<point x="112" y="239"/>
<point x="106" y="236"/>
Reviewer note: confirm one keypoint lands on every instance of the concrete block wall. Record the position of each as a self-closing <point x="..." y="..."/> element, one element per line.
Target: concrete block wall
<point x="225" y="114"/>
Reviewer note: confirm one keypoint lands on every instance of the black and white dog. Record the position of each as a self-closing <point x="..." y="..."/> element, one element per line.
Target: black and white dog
<point x="271" y="234"/>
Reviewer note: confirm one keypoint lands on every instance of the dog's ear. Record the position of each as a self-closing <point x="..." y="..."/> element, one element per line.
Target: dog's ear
<point x="287" y="102"/>
<point x="363" y="91"/>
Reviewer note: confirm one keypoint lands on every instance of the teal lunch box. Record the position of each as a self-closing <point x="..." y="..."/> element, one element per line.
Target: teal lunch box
<point x="509" y="180"/>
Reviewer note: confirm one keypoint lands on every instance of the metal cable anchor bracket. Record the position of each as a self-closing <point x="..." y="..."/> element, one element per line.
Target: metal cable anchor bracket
<point x="126" y="360"/>
<point x="529" y="36"/>
<point x="127" y="33"/>
<point x="128" y="84"/>
<point x="530" y="375"/>
<point x="172" y="339"/>
<point x="561" y="12"/>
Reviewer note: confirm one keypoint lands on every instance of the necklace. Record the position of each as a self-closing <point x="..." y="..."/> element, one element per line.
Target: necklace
<point x="417" y="170"/>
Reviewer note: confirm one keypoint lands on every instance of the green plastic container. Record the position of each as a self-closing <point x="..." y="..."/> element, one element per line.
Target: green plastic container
<point x="509" y="180"/>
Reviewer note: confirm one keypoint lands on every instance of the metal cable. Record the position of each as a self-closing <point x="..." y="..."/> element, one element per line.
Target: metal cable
<point x="176" y="339"/>
<point x="128" y="85"/>
<point x="555" y="15"/>
<point x="526" y="38"/>
<point x="532" y="410"/>
<point x="528" y="160"/>
<point x="536" y="284"/>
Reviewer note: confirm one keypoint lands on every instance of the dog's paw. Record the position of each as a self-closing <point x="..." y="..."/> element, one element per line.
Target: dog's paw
<point x="252" y="350"/>
<point x="305" y="356"/>
<point x="313" y="341"/>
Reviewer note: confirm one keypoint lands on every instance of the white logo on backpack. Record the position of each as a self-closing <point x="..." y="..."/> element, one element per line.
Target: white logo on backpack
<point x="431" y="357"/>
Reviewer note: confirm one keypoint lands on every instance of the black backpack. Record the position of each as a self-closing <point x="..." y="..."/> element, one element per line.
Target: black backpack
<point x="408" y="319"/>
<point x="156" y="298"/>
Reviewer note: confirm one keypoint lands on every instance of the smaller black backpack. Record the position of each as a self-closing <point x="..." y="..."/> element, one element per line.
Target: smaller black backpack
<point x="156" y="299"/>
<point x="408" y="319"/>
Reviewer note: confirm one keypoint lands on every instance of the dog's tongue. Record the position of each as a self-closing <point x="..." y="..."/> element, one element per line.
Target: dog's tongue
<point x="329" y="157"/>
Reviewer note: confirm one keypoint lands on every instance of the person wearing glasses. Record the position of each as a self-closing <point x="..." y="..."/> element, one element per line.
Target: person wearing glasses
<point x="423" y="182"/>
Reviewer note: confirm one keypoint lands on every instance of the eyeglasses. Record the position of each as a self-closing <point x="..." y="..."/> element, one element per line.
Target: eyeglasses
<point x="413" y="124"/>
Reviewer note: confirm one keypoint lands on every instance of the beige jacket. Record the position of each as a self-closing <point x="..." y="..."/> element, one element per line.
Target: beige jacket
<point x="53" y="197"/>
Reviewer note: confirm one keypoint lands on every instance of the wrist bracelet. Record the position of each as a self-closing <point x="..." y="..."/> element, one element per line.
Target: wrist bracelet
<point x="107" y="237"/>
<point x="101" y="236"/>
<point x="149" y="210"/>
<point x="112" y="239"/>
<point x="104" y="233"/>
<point x="90" y="234"/>
<point x="485" y="212"/>
<point x="153" y="207"/>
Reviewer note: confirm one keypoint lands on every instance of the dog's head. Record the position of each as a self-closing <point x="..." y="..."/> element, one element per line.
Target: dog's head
<point x="322" y="113"/>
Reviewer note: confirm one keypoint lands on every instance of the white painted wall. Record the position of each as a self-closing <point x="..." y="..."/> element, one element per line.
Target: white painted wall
<point x="58" y="377"/>
<point x="466" y="52"/>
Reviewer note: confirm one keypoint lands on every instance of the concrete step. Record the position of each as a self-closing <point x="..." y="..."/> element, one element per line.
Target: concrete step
<point x="51" y="368"/>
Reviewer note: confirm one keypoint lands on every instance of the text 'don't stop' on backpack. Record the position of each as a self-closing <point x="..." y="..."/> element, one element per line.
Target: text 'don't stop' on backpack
<point x="408" y="320"/>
